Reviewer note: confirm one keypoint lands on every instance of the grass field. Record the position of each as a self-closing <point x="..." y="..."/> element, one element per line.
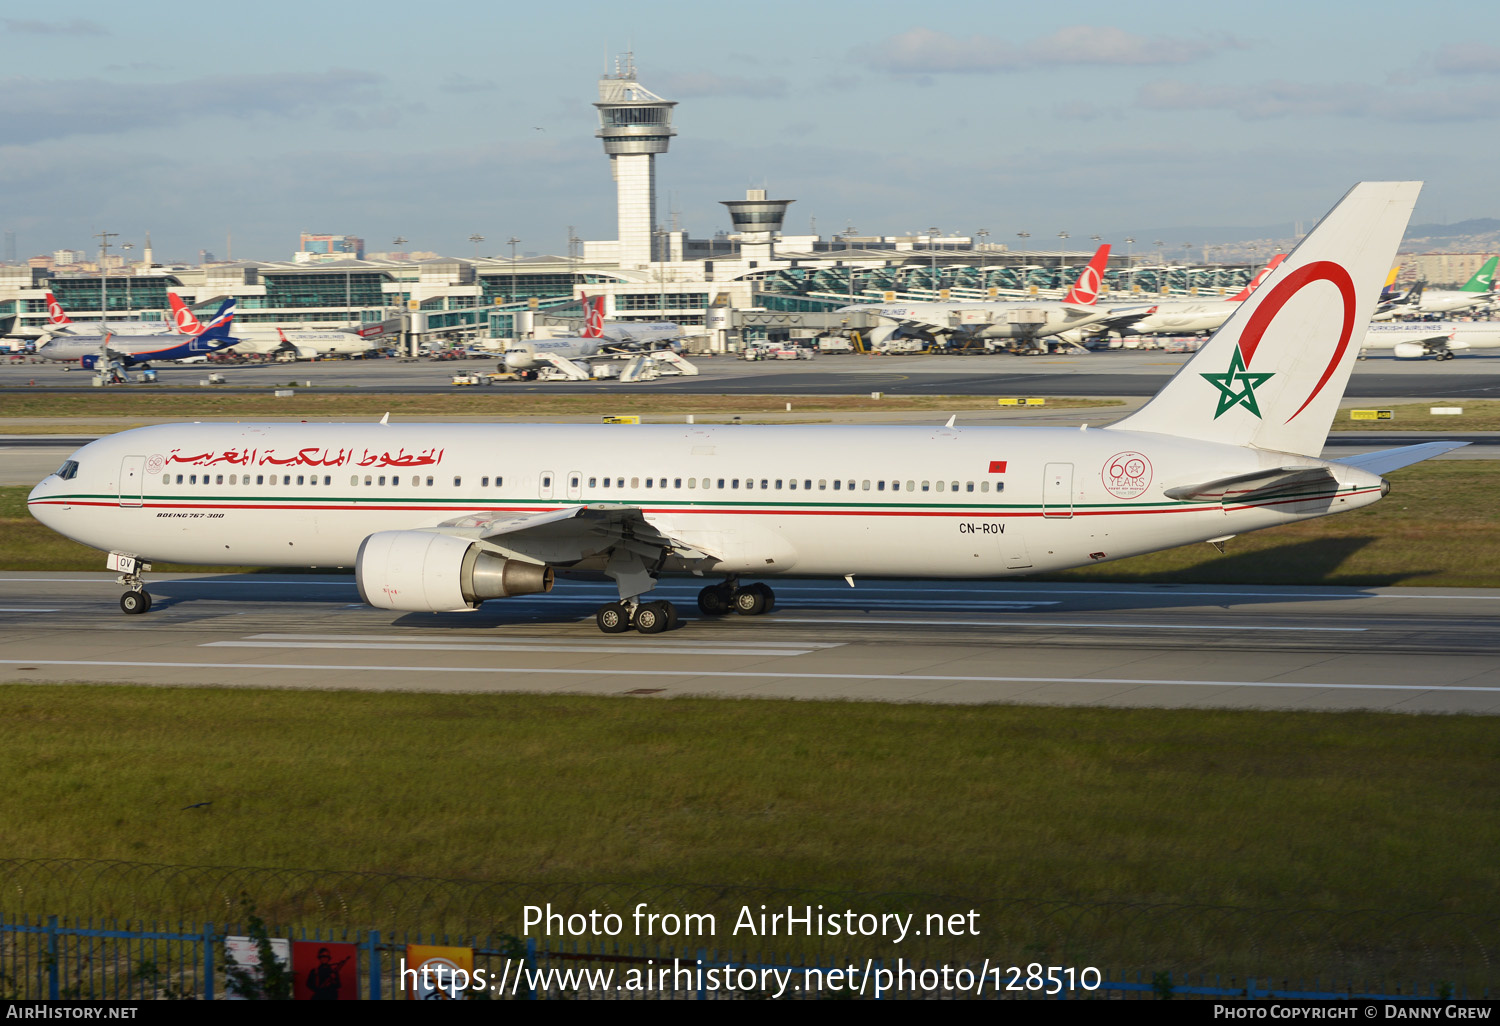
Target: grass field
<point x="1438" y="528"/>
<point x="1251" y="809"/>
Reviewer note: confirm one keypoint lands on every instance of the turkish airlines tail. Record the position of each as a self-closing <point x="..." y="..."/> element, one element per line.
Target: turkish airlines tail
<point x="55" y="315"/>
<point x="1273" y="375"/>
<point x="1086" y="290"/>
<point x="593" y="317"/>
<point x="1260" y="276"/>
<point x="183" y="321"/>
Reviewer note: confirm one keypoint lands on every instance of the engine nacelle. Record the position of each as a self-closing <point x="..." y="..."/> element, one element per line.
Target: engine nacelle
<point x="422" y="572"/>
<point x="1410" y="350"/>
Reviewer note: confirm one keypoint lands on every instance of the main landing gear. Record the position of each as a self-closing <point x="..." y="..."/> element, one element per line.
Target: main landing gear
<point x="751" y="600"/>
<point x="655" y="617"/>
<point x="646" y="617"/>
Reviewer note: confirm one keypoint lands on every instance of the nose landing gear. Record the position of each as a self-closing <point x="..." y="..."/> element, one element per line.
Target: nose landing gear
<point x="137" y="600"/>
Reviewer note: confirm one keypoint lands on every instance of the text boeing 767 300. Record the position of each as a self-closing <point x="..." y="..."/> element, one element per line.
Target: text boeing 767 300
<point x="438" y="517"/>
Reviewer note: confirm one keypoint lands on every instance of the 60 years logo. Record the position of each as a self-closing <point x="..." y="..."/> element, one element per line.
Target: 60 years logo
<point x="1127" y="475"/>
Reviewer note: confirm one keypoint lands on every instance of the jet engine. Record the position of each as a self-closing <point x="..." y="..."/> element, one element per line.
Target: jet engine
<point x="423" y="571"/>
<point x="1410" y="350"/>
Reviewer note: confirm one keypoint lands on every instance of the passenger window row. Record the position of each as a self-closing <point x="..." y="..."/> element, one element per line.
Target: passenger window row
<point x="786" y="484"/>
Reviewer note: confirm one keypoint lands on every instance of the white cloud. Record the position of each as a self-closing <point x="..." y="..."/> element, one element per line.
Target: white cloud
<point x="925" y="51"/>
<point x="1282" y="99"/>
<point x="40" y="109"/>
<point x="76" y="27"/>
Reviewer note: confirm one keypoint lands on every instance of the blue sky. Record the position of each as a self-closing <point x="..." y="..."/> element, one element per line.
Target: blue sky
<point x="437" y="121"/>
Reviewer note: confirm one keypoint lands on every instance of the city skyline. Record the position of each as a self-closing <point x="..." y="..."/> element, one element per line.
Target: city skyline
<point x="197" y="124"/>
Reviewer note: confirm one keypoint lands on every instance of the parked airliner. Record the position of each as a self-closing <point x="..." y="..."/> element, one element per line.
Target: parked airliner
<point x="1442" y="340"/>
<point x="132" y="350"/>
<point x="438" y="517"/>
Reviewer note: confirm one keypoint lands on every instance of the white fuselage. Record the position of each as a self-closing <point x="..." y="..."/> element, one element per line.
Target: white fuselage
<point x="894" y="501"/>
<point x="1019" y="319"/>
<point x="1433" y="301"/>
<point x="523" y="355"/>
<point x="1451" y="335"/>
<point x="307" y="343"/>
<point x="1184" y="318"/>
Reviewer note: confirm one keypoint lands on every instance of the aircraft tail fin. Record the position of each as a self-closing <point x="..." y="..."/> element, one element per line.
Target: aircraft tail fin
<point x="1388" y="293"/>
<point x="1273" y="375"/>
<point x="55" y="314"/>
<point x="1260" y="276"/>
<point x="183" y="320"/>
<point x="593" y="317"/>
<point x="1484" y="278"/>
<point x="218" y="329"/>
<point x="1086" y="290"/>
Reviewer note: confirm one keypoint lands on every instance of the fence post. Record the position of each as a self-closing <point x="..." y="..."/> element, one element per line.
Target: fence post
<point x="374" y="962"/>
<point x="208" y="961"/>
<point x="531" y="965"/>
<point x="52" y="984"/>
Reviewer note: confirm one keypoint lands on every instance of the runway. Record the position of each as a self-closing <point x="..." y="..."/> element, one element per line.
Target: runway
<point x="1201" y="646"/>
<point x="1089" y="374"/>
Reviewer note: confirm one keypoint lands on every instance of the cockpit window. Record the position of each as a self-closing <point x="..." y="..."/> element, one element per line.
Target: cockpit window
<point x="68" y="471"/>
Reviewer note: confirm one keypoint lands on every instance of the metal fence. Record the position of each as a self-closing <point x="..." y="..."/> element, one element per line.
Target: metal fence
<point x="163" y="947"/>
<point x="58" y="960"/>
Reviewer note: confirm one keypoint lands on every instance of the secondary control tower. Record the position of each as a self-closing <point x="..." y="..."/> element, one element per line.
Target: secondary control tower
<point x="635" y="125"/>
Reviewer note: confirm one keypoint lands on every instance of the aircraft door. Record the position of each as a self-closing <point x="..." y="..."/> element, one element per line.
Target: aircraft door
<point x="132" y="480"/>
<point x="575" y="484"/>
<point x="1057" y="491"/>
<point x="544" y="488"/>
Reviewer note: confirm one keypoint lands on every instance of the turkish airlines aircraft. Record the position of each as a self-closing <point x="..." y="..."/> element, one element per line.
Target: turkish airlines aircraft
<point x="1192" y="317"/>
<point x="438" y="517"/>
<point x="308" y="344"/>
<point x="58" y="323"/>
<point x="1024" y="320"/>
<point x="600" y="339"/>
<point x="130" y="350"/>
<point x="1441" y="339"/>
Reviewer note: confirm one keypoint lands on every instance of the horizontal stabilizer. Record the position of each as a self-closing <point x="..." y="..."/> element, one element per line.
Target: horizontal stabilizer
<point x="1386" y="460"/>
<point x="1249" y="486"/>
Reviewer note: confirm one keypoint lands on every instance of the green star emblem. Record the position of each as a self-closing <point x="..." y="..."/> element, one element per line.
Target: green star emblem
<point x="1229" y="395"/>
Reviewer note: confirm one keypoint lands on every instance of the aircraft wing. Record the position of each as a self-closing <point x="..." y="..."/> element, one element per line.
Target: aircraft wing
<point x="1387" y="460"/>
<point x="599" y="524"/>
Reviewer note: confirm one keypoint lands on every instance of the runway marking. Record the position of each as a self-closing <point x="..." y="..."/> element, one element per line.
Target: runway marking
<point x="540" y="645"/>
<point x="1044" y="623"/>
<point x="715" y="672"/>
<point x="4" y="609"/>
<point x="509" y="639"/>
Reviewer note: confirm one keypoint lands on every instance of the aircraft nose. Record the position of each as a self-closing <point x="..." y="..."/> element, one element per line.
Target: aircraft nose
<point x="36" y="500"/>
<point x="515" y="359"/>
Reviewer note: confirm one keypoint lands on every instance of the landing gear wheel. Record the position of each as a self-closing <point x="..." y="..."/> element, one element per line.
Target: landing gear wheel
<point x="134" y="602"/>
<point x="751" y="601"/>
<point x="672" y="618"/>
<point x="652" y="617"/>
<point x="714" y="600"/>
<point x="613" y="618"/>
<point x="768" y="594"/>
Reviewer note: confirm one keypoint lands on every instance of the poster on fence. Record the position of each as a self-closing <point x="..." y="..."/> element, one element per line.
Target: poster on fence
<point x="324" y="971"/>
<point x="433" y="973"/>
<point x="246" y="979"/>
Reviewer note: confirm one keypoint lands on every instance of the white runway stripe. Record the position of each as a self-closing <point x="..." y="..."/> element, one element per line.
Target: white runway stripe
<point x="570" y="649"/>
<point x="712" y="673"/>
<point x="543" y="642"/>
<point x="1078" y="626"/>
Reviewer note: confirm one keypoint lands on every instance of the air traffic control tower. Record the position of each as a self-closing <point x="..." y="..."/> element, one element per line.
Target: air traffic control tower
<point x="635" y="125"/>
